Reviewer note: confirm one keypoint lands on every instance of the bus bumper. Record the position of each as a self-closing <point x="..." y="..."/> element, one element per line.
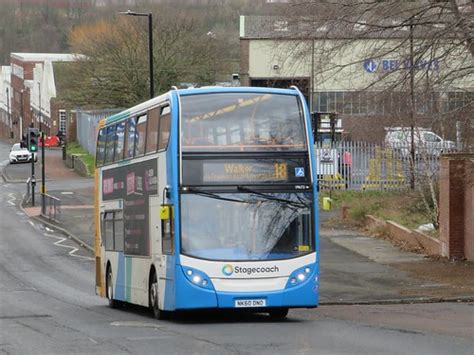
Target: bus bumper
<point x="304" y="295"/>
<point x="191" y="296"/>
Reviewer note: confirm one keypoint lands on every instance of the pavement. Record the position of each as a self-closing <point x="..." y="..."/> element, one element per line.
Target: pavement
<point x="355" y="268"/>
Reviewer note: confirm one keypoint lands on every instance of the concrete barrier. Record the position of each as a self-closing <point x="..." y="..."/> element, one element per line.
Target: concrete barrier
<point x="74" y="161"/>
<point x="80" y="167"/>
<point x="400" y="234"/>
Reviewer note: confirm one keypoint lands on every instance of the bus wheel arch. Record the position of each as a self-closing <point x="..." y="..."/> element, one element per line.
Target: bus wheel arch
<point x="153" y="301"/>
<point x="109" y="288"/>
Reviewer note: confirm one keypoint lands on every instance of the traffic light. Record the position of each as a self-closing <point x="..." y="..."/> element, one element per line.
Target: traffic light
<point x="32" y="139"/>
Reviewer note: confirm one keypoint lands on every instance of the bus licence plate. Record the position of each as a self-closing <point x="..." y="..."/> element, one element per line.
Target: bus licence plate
<point x="260" y="302"/>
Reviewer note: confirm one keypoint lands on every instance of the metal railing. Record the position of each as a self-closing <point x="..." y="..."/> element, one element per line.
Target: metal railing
<point x="86" y="127"/>
<point x="52" y="208"/>
<point x="369" y="166"/>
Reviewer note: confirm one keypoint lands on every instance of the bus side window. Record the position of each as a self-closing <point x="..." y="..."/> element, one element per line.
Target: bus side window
<point x="110" y="145"/>
<point x="118" y="230"/>
<point x="152" y="130"/>
<point x="140" y="136"/>
<point x="112" y="230"/>
<point x="119" y="147"/>
<point x="130" y="138"/>
<point x="165" y="125"/>
<point x="100" y="151"/>
<point x="108" y="230"/>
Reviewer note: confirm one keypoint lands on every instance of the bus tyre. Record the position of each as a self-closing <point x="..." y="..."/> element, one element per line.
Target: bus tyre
<point x="153" y="300"/>
<point x="113" y="303"/>
<point x="278" y="313"/>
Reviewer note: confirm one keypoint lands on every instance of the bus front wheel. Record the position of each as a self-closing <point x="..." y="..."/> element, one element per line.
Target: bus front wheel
<point x="278" y="313"/>
<point x="113" y="303"/>
<point x="153" y="300"/>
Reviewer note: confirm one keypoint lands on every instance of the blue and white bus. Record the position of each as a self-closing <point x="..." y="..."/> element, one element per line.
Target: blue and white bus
<point x="206" y="199"/>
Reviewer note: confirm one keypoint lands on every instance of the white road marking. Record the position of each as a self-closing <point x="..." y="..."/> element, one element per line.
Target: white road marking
<point x="74" y="249"/>
<point x="136" y="324"/>
<point x="12" y="199"/>
<point x="92" y="340"/>
<point x="67" y="193"/>
<point x="31" y="223"/>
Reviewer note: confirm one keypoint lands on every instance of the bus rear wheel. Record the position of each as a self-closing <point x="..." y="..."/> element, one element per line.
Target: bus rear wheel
<point x="278" y="313"/>
<point x="153" y="300"/>
<point x="113" y="303"/>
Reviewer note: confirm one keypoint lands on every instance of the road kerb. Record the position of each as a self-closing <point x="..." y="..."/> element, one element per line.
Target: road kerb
<point x="62" y="230"/>
<point x="414" y="300"/>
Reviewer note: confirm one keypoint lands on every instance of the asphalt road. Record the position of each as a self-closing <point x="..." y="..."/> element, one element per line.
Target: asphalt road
<point x="48" y="306"/>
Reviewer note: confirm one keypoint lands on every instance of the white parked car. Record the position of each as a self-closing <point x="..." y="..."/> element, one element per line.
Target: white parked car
<point x="21" y="155"/>
<point x="426" y="142"/>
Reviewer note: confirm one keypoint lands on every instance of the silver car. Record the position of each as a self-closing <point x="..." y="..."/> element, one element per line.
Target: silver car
<point x="19" y="154"/>
<point x="426" y="142"/>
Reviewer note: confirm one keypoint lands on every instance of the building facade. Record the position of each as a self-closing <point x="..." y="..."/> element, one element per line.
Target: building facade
<point x="365" y="80"/>
<point x="30" y="84"/>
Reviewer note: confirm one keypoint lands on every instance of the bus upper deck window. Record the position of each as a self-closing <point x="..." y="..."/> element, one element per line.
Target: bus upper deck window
<point x="130" y="138"/>
<point x="152" y="130"/>
<point x="165" y="126"/>
<point x="119" y="146"/>
<point x="110" y="145"/>
<point x="140" y="135"/>
<point x="100" y="151"/>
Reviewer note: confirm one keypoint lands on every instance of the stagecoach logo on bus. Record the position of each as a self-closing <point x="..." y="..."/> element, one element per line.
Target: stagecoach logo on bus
<point x="228" y="270"/>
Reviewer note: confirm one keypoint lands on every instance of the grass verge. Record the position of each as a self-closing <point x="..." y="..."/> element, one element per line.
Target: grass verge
<point x="88" y="159"/>
<point x="403" y="207"/>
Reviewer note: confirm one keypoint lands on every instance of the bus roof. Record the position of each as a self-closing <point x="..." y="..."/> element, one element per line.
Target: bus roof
<point x="195" y="91"/>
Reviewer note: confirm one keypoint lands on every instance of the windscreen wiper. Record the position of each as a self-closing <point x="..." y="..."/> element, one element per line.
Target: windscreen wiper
<point x="273" y="198"/>
<point x="200" y="192"/>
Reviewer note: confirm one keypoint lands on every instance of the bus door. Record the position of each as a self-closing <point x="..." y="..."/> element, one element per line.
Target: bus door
<point x="161" y="230"/>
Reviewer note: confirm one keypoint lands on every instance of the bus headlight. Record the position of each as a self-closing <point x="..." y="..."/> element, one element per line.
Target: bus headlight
<point x="300" y="275"/>
<point x="197" y="277"/>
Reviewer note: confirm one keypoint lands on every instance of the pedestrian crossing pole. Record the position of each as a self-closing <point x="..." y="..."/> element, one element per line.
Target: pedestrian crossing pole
<point x="31" y="147"/>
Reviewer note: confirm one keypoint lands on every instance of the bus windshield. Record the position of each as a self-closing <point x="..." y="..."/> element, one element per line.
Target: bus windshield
<point x="242" y="122"/>
<point x="246" y="226"/>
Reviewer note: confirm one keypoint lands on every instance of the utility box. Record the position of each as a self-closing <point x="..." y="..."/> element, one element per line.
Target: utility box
<point x="327" y="203"/>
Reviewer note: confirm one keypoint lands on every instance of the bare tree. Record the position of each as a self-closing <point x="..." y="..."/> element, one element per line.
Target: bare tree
<point x="420" y="52"/>
<point x="417" y="56"/>
<point x="114" y="71"/>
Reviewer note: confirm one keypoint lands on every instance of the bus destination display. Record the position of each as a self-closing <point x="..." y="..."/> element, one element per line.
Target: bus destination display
<point x="209" y="172"/>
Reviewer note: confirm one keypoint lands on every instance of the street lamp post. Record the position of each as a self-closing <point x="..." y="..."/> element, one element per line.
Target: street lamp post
<point x="43" y="177"/>
<point x="21" y="113"/>
<point x="412" y="110"/>
<point x="10" y="125"/>
<point x="150" y="43"/>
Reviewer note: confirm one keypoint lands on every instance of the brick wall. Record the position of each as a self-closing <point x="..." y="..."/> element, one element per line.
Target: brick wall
<point x="456" y="206"/>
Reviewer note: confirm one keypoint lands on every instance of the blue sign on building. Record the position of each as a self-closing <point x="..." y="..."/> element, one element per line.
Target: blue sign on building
<point x="387" y="65"/>
<point x="370" y="65"/>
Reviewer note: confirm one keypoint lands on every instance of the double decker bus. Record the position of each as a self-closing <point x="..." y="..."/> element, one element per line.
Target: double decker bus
<point x="206" y="198"/>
